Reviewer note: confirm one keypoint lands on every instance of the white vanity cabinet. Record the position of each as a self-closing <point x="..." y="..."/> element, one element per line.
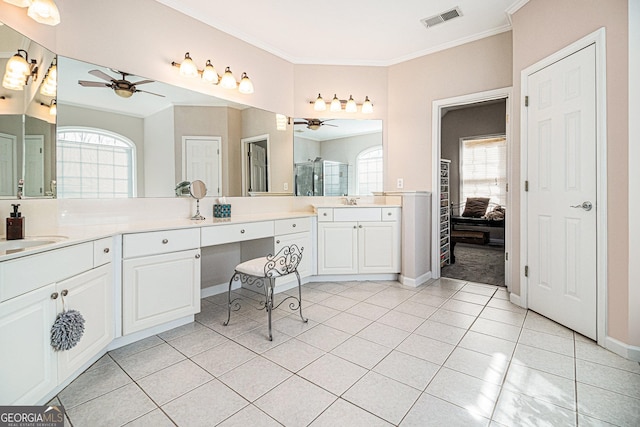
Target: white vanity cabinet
<point x="29" y="367"/>
<point x="160" y="277"/>
<point x="296" y="231"/>
<point x="358" y="240"/>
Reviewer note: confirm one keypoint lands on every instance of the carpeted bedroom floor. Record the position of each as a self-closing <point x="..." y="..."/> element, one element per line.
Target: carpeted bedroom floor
<point x="477" y="263"/>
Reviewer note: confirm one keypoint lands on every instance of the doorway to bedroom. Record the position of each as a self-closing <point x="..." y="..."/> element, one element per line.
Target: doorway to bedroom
<point x="473" y="149"/>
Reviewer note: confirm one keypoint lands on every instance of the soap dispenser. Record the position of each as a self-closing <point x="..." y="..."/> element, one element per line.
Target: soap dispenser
<point x="15" y="224"/>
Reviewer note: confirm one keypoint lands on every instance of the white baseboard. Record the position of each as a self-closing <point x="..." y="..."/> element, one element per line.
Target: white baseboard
<point x="408" y="281"/>
<point x="137" y="336"/>
<point x="516" y="299"/>
<point x="627" y="351"/>
<point x="353" y="277"/>
<point x="217" y="289"/>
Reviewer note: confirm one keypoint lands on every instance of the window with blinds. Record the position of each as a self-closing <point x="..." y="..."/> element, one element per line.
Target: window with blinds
<point x="484" y="168"/>
<point x="93" y="163"/>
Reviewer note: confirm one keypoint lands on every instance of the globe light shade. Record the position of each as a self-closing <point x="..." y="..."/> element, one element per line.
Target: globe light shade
<point x="44" y="12"/>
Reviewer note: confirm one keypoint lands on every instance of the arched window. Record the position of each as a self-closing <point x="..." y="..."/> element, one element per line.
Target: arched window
<point x="369" y="171"/>
<point x="94" y="163"/>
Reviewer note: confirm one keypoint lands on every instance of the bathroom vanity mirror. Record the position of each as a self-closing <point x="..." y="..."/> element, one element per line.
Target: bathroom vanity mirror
<point x="27" y="129"/>
<point x="337" y="157"/>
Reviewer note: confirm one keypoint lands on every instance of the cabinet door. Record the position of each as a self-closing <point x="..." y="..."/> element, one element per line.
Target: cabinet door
<point x="303" y="240"/>
<point x="337" y="248"/>
<point x="90" y="293"/>
<point x="378" y="247"/>
<point x="160" y="288"/>
<point x="27" y="361"/>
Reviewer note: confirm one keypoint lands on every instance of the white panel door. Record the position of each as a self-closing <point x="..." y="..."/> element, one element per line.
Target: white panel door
<point x="257" y="168"/>
<point x="34" y="165"/>
<point x="561" y="153"/>
<point x="8" y="168"/>
<point x="202" y="161"/>
<point x="378" y="247"/>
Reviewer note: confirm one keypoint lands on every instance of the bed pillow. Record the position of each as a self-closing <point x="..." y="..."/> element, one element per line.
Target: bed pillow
<point x="475" y="207"/>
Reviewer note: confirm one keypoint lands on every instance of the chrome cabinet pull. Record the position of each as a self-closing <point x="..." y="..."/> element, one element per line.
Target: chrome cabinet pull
<point x="106" y="250"/>
<point x="197" y="256"/>
<point x="278" y="242"/>
<point x="324" y="214"/>
<point x="165" y="241"/>
<point x="242" y="231"/>
<point x="54" y="295"/>
<point x="294" y="226"/>
<point x="64" y="292"/>
<point x="389" y="213"/>
<point x="360" y="226"/>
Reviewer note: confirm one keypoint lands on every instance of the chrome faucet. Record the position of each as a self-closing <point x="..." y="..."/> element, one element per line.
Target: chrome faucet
<point x="351" y="201"/>
<point x="20" y="188"/>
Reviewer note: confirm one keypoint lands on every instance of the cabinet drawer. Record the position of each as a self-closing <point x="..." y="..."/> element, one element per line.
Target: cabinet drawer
<point x="25" y="274"/>
<point x="357" y="214"/>
<point x="296" y="225"/>
<point x="390" y="214"/>
<point x="102" y="251"/>
<point x="325" y="214"/>
<point x="159" y="242"/>
<point x="221" y="234"/>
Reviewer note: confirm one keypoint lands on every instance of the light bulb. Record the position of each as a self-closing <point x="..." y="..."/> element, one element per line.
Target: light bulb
<point x="187" y="67"/>
<point x="17" y="65"/>
<point x="13" y="82"/>
<point x="336" y="105"/>
<point x="228" y="81"/>
<point x="319" y="105"/>
<point x="209" y="74"/>
<point x="246" y="85"/>
<point x="44" y="12"/>
<point x="367" y="106"/>
<point x="351" y="107"/>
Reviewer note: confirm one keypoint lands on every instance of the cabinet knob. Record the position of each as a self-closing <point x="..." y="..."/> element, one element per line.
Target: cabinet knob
<point x="324" y="214"/>
<point x="197" y="256"/>
<point x="389" y="213"/>
<point x="54" y="295"/>
<point x="165" y="241"/>
<point x="355" y="226"/>
<point x="106" y="250"/>
<point x="64" y="292"/>
<point x="278" y="242"/>
<point x="242" y="231"/>
<point x="359" y="226"/>
<point x="294" y="226"/>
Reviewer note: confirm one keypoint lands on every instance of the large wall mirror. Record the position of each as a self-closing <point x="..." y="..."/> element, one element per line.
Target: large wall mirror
<point x="27" y="129"/>
<point x="337" y="157"/>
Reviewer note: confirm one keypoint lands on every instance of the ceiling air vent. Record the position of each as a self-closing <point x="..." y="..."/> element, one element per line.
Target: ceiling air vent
<point x="442" y="17"/>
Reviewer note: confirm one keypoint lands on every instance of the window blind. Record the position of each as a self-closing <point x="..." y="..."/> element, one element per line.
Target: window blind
<point x="484" y="169"/>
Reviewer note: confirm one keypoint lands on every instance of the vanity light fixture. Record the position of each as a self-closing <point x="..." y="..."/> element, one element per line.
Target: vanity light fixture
<point x="246" y="85"/>
<point x="336" y="105"/>
<point x="209" y="74"/>
<point x="49" y="85"/>
<point x="319" y="105"/>
<point x="228" y="81"/>
<point x="53" y="107"/>
<point x="281" y="122"/>
<point x="350" y="105"/>
<point x="18" y="71"/>
<point x="189" y="69"/>
<point x="41" y="11"/>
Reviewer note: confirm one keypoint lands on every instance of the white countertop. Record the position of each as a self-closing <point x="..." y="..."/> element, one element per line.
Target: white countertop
<point x="86" y="233"/>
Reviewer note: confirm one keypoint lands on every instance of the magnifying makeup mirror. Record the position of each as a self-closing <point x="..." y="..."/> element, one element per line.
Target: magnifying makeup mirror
<point x="198" y="190"/>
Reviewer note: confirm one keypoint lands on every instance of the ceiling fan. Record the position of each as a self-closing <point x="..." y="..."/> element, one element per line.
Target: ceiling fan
<point x="314" y="124"/>
<point x="122" y="87"/>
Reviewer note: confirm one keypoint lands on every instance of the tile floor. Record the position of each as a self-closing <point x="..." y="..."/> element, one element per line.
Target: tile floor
<point x="447" y="353"/>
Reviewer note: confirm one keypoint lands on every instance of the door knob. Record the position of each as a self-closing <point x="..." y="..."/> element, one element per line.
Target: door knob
<point x="585" y="205"/>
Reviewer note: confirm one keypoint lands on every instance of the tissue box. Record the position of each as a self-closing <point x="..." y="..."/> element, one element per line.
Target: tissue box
<point x="221" y="210"/>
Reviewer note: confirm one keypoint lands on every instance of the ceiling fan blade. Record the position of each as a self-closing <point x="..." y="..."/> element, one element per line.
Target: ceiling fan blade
<point x="327" y="124"/>
<point x="141" y="82"/>
<point x="150" y="93"/>
<point x="101" y="75"/>
<point x="93" y="84"/>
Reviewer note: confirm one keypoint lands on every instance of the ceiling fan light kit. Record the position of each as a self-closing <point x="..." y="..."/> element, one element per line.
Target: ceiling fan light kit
<point x="209" y="74"/>
<point x="350" y="105"/>
<point x="42" y="11"/>
<point x="122" y="87"/>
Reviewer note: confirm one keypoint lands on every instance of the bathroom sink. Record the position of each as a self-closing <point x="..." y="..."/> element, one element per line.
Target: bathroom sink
<point x="28" y="242"/>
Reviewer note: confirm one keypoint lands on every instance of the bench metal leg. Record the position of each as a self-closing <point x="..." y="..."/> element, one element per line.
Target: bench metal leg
<point x="300" y="297"/>
<point x="229" y="299"/>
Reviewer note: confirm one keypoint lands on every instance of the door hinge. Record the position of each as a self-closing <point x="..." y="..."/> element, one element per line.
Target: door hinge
<point x="506" y="256"/>
<point x="507" y="187"/>
<point x="526" y="186"/>
<point x="526" y="271"/>
<point x="218" y="151"/>
<point x="526" y="101"/>
<point x="41" y="151"/>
